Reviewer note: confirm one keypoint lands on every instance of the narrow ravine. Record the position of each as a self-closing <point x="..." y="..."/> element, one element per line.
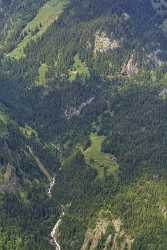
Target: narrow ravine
<point x="55" y="231"/>
<point x="43" y="169"/>
<point x="40" y="164"/>
<point x="73" y="111"/>
<point x="51" y="186"/>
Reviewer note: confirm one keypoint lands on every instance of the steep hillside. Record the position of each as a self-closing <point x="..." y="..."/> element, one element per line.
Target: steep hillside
<point x="34" y="29"/>
<point x="83" y="136"/>
<point x="14" y="16"/>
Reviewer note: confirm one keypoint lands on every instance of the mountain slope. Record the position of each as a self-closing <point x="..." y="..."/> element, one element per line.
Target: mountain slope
<point x="83" y="125"/>
<point x="46" y="15"/>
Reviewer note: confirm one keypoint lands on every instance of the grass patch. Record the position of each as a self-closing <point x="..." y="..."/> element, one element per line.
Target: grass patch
<point x="6" y="174"/>
<point x="79" y="69"/>
<point x="28" y="132"/>
<point x="43" y="70"/>
<point x="4" y="120"/>
<point x="102" y="162"/>
<point x="39" y="25"/>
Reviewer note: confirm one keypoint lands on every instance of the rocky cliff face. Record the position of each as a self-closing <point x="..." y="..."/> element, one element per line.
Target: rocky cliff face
<point x="104" y="43"/>
<point x="108" y="233"/>
<point x="131" y="67"/>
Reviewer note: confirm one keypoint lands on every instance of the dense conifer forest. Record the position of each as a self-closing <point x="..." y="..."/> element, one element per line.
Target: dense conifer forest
<point x="83" y="125"/>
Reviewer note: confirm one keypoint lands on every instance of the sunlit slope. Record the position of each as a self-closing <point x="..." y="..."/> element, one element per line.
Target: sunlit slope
<point x="105" y="164"/>
<point x="34" y="29"/>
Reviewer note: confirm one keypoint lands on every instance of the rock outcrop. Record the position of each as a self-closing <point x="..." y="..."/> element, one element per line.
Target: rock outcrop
<point x="130" y="68"/>
<point x="93" y="236"/>
<point x="9" y="180"/>
<point x="104" y="43"/>
<point x="73" y="111"/>
<point x="108" y="232"/>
